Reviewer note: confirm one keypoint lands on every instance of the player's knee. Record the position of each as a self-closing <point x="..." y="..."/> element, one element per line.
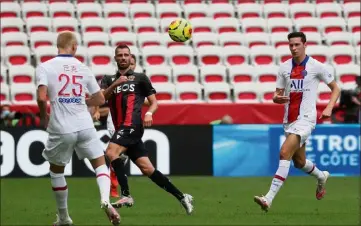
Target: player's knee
<point x="111" y="154"/>
<point x="284" y="154"/>
<point x="147" y="170"/>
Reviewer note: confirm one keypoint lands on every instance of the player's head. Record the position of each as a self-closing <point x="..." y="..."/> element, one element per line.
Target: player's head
<point x="133" y="62"/>
<point x="67" y="43"/>
<point x="122" y="56"/>
<point x="297" y="44"/>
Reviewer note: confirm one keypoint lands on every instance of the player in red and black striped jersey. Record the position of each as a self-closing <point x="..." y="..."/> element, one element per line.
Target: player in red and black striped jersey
<point x="126" y="92"/>
<point x="113" y="177"/>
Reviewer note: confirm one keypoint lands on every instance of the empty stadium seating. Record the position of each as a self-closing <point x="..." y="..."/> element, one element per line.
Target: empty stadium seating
<point x="233" y="56"/>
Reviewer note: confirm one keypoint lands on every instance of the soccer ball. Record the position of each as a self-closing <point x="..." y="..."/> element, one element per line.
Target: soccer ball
<point x="180" y="30"/>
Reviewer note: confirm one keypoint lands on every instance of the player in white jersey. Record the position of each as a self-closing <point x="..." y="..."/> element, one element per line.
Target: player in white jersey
<point x="64" y="80"/>
<point x="296" y="87"/>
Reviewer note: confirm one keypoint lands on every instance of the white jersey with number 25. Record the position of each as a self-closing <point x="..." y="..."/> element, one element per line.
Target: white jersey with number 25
<point x="67" y="80"/>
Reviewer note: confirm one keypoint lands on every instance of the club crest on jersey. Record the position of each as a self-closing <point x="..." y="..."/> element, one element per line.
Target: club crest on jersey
<point x="131" y="78"/>
<point x="304" y="73"/>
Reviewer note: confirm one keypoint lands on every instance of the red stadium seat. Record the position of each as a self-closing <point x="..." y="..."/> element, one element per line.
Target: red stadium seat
<point x="235" y="55"/>
<point x="209" y="55"/>
<point x="227" y="25"/>
<point x="9" y="9"/>
<point x="249" y="10"/>
<point x="61" y="9"/>
<point x="34" y="9"/>
<point x="14" y="39"/>
<point x="159" y="73"/>
<point x="196" y="10"/>
<point x="181" y="55"/>
<point x="116" y="10"/>
<point x="254" y="25"/>
<point x="342" y="54"/>
<point x="230" y="39"/>
<point x="189" y="92"/>
<point x="241" y="73"/>
<point x="213" y="73"/>
<point x="169" y="11"/>
<point x="12" y="25"/>
<point x="202" y="25"/>
<point x="263" y="55"/>
<point x="142" y="10"/>
<point x="155" y="55"/>
<point x="266" y="73"/>
<point x="17" y="55"/>
<point x="187" y="74"/>
<point x="22" y="94"/>
<point x="100" y="55"/>
<point x="275" y="10"/>
<point x="89" y="9"/>
<point x="21" y="74"/>
<point x="246" y="92"/>
<point x="45" y="53"/>
<point x="217" y="92"/>
<point x="221" y="11"/>
<point x="165" y="92"/>
<point x="347" y="73"/>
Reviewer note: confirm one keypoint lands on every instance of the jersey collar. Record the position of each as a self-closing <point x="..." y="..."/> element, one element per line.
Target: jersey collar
<point x="64" y="55"/>
<point x="303" y="63"/>
<point x="128" y="73"/>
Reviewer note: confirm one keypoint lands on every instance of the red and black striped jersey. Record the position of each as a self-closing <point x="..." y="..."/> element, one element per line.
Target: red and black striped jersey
<point x="127" y="100"/>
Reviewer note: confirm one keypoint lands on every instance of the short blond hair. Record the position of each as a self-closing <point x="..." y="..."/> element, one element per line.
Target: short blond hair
<point x="65" y="40"/>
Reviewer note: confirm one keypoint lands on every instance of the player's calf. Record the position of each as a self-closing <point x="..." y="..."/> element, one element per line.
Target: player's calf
<point x="309" y="168"/>
<point x="60" y="189"/>
<point x="122" y="178"/>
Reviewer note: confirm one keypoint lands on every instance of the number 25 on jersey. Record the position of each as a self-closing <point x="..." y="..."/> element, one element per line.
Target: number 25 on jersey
<point x="77" y="89"/>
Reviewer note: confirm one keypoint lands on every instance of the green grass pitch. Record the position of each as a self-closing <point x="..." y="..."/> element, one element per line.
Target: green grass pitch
<point x="218" y="201"/>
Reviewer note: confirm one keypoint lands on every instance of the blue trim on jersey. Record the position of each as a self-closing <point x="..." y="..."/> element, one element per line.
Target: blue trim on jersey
<point x="303" y="63"/>
<point x="64" y="55"/>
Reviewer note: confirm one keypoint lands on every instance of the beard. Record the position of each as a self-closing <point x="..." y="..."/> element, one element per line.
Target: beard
<point x="123" y="66"/>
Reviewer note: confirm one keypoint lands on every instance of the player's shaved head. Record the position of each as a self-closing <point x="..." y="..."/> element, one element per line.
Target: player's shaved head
<point x="66" y="43"/>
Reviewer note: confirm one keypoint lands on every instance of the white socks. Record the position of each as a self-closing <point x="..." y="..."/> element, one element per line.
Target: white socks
<point x="60" y="189"/>
<point x="103" y="180"/>
<point x="279" y="178"/>
<point x="311" y="169"/>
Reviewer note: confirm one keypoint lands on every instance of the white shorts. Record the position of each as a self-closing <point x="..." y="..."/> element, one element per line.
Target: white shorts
<point x="302" y="128"/>
<point x="60" y="147"/>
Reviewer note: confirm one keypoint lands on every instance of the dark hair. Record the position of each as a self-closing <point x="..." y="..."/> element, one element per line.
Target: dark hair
<point x="297" y="34"/>
<point x="121" y="46"/>
<point x="133" y="56"/>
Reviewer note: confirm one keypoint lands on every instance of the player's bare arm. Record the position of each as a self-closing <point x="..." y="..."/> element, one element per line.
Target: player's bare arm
<point x="96" y="99"/>
<point x="146" y="102"/>
<point x="279" y="97"/>
<point x="153" y="106"/>
<point x="41" y="99"/>
<point x="335" y="94"/>
<point x="109" y="91"/>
